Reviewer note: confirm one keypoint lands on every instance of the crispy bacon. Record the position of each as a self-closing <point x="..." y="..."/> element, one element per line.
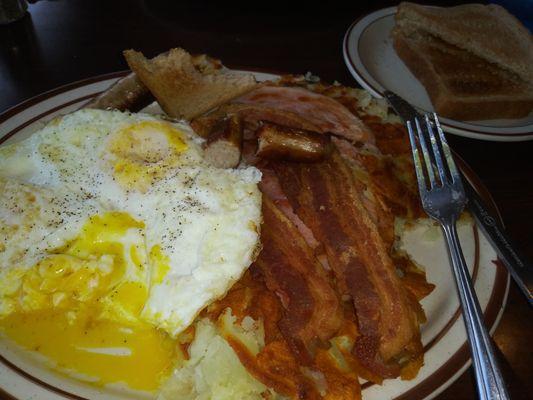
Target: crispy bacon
<point x="372" y="197"/>
<point x="312" y="310"/>
<point x="325" y="197"/>
<point x="325" y="114"/>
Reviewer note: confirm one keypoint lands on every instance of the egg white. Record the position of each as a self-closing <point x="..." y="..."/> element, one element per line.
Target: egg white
<point x="200" y="223"/>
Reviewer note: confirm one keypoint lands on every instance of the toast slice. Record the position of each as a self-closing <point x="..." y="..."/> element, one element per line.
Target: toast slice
<point x="187" y="86"/>
<point x="489" y="32"/>
<point x="460" y="84"/>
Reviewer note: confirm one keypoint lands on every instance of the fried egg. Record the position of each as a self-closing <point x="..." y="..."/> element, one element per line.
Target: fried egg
<point x="114" y="235"/>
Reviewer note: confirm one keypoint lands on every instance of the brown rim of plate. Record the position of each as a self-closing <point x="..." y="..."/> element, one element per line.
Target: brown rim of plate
<point x="420" y="391"/>
<point x="377" y="90"/>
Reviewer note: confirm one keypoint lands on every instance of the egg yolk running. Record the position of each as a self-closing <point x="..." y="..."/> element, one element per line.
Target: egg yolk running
<point x="80" y="307"/>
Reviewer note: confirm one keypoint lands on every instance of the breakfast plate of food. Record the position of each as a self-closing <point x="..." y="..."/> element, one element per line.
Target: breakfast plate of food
<point x="477" y="76"/>
<point x="186" y="231"/>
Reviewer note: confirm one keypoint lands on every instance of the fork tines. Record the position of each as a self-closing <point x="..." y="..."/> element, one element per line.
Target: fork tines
<point x="438" y="159"/>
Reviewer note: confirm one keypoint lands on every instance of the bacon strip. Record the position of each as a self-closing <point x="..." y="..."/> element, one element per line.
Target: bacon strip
<point x="326" y="114"/>
<point x="312" y="309"/>
<point x="271" y="188"/>
<point x="325" y="197"/>
<point x="372" y="195"/>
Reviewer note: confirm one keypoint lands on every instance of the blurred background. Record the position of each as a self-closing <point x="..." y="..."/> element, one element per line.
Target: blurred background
<point x="85" y="35"/>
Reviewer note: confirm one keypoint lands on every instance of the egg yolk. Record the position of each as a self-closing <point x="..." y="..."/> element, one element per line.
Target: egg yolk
<point x="144" y="152"/>
<point x="160" y="264"/>
<point x="80" y="307"/>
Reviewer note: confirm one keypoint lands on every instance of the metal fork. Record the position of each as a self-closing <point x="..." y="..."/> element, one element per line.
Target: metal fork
<point x="443" y="199"/>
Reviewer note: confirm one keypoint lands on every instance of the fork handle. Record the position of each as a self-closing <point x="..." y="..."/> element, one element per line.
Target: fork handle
<point x="490" y="384"/>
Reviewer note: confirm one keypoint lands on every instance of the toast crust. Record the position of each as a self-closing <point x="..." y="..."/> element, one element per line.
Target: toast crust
<point x="184" y="86"/>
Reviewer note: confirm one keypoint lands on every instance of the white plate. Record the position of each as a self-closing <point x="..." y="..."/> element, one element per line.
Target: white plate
<point x="444" y="338"/>
<point x="372" y="60"/>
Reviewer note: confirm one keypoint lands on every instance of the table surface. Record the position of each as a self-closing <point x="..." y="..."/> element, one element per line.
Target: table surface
<point x="63" y="41"/>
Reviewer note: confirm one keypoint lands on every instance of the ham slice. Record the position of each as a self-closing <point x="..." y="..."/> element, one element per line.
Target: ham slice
<point x="326" y="115"/>
<point x="253" y="115"/>
<point x="313" y="313"/>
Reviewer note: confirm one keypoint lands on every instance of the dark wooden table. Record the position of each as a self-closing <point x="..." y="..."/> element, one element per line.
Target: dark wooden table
<point x="63" y="41"/>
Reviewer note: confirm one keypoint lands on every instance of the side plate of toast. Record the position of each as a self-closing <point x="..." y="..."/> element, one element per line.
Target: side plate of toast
<point x="443" y="60"/>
